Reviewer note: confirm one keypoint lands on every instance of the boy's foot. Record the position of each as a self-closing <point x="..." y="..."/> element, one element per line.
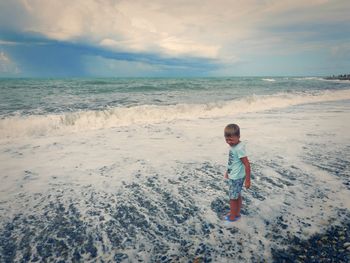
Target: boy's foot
<point x="229" y="213"/>
<point x="227" y="218"/>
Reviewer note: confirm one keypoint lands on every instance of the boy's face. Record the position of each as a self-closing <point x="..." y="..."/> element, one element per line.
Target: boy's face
<point x="232" y="140"/>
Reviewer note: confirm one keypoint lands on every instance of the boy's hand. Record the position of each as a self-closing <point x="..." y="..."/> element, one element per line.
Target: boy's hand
<point x="247" y="183"/>
<point x="226" y="175"/>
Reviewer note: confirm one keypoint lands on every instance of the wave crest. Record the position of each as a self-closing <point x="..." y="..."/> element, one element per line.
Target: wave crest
<point x="38" y="125"/>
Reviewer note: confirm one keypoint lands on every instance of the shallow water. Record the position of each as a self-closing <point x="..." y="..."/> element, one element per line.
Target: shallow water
<point x="155" y="191"/>
<point x="46" y="107"/>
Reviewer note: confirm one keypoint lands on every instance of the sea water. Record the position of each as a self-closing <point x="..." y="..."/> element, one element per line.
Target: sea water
<point x="132" y="169"/>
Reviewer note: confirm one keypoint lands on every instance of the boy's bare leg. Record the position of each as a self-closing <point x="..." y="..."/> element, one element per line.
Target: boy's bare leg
<point x="239" y="205"/>
<point x="233" y="208"/>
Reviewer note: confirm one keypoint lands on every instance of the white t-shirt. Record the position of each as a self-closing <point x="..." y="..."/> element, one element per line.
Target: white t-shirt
<point x="235" y="167"/>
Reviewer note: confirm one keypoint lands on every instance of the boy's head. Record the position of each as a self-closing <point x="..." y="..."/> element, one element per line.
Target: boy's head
<point x="232" y="134"/>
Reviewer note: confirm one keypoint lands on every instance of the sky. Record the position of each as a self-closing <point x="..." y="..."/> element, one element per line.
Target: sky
<point x="146" y="38"/>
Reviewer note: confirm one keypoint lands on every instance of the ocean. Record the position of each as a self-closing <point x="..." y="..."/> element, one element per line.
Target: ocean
<point x="131" y="170"/>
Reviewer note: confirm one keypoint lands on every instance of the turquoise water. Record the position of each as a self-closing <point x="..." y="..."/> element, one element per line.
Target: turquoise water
<point x="43" y="96"/>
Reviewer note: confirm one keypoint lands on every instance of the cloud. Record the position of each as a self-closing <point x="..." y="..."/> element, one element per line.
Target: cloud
<point x="206" y="34"/>
<point x="341" y="50"/>
<point x="7" y="66"/>
<point x="119" y="25"/>
<point x="4" y="42"/>
<point x="40" y="56"/>
<point x="106" y="67"/>
<point x="175" y="28"/>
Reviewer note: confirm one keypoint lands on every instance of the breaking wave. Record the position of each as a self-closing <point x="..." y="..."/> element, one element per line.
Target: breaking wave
<point x="38" y="125"/>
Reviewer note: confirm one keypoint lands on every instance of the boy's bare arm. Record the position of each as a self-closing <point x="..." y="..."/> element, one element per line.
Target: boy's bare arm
<point x="246" y="163"/>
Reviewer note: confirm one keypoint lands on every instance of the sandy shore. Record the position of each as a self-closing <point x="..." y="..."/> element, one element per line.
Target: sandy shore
<point x="155" y="193"/>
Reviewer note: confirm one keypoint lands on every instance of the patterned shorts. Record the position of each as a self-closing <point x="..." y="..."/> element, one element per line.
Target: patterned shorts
<point x="235" y="187"/>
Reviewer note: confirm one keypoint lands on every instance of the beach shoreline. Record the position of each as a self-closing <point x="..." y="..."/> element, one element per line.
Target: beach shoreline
<point x="104" y="201"/>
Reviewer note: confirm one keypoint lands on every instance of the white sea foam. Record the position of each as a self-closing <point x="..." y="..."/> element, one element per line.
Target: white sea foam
<point x="38" y="125"/>
<point x="345" y="81"/>
<point x="309" y="78"/>
<point x="268" y="79"/>
<point x="182" y="163"/>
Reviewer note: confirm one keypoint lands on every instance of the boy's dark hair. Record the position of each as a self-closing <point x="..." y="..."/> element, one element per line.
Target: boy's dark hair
<point x="231" y="130"/>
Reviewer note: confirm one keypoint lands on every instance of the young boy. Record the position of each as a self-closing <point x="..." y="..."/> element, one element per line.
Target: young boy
<point x="238" y="170"/>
